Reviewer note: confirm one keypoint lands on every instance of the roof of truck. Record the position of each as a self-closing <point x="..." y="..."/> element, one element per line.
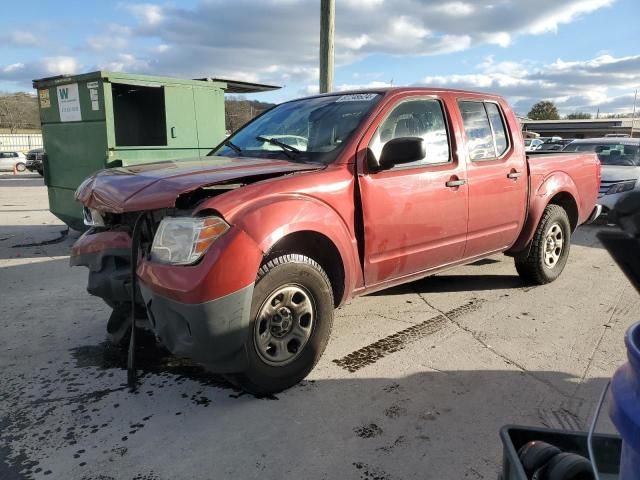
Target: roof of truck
<point x="402" y="89"/>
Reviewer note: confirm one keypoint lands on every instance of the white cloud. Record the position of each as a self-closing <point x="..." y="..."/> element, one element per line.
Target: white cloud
<point x="19" y="38"/>
<point x="564" y="13"/>
<point x="13" y="67"/>
<point x="211" y="38"/>
<point x="276" y="41"/>
<point x="405" y="27"/>
<point x="147" y="13"/>
<point x="373" y="84"/>
<point x="115" y="38"/>
<point x="353" y="43"/>
<point x="126" y="62"/>
<point x="45" y="67"/>
<point x="356" y="4"/>
<point x="455" y="9"/>
<point x="60" y="65"/>
<point x="577" y="85"/>
<point x="343" y="87"/>
<point x="502" y="39"/>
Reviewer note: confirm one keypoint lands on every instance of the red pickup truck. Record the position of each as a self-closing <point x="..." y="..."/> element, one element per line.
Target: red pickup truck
<point x="244" y="254"/>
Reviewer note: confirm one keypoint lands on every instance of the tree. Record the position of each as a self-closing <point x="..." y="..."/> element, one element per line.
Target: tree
<point x="18" y="110"/>
<point x="579" y="116"/>
<point x="544" y="110"/>
<point x="238" y="111"/>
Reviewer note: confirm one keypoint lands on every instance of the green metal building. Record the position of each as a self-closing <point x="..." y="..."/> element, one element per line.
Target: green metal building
<point x="104" y="119"/>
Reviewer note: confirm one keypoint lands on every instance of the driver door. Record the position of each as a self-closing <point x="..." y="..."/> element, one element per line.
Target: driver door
<point x="415" y="214"/>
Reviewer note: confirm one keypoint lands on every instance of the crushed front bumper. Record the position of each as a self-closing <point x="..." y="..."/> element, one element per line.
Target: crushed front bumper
<point x="107" y="255"/>
<point x="202" y="311"/>
<point x="199" y="311"/>
<point x="212" y="333"/>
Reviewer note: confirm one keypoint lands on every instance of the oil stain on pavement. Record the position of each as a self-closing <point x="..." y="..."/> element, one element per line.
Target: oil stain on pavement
<point x="52" y="410"/>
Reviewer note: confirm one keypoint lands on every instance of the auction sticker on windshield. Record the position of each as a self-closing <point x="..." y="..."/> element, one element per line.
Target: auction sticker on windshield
<point x="357" y="97"/>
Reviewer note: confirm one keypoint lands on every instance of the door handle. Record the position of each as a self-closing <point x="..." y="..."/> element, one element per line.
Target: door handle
<point x="455" y="183"/>
<point x="514" y="175"/>
<point x="173" y="132"/>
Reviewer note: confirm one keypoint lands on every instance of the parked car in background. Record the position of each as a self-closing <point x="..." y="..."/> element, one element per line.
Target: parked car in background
<point x="34" y="160"/>
<point x="620" y="159"/>
<point x="532" y="144"/>
<point x="554" y="145"/>
<point x="12" y="160"/>
<point x="246" y="252"/>
<point x="550" y="139"/>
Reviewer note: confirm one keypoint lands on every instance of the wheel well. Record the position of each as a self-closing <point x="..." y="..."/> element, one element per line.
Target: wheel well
<point x="321" y="249"/>
<point x="568" y="203"/>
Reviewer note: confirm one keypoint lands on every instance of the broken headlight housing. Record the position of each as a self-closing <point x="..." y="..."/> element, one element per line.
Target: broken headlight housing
<point x="92" y="217"/>
<point x="183" y="240"/>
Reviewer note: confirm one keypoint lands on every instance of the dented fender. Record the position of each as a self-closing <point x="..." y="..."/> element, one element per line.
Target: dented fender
<point x="270" y="219"/>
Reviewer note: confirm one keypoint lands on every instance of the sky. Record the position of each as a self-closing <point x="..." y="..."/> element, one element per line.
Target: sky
<point x="582" y="54"/>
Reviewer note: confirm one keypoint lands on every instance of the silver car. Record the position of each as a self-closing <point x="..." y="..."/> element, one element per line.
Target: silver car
<point x="620" y="158"/>
<point x="12" y="160"/>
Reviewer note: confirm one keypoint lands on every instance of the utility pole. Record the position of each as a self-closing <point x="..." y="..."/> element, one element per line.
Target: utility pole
<point x="327" y="30"/>
<point x="633" y="115"/>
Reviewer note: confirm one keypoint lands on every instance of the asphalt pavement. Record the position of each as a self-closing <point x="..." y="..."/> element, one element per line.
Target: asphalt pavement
<point x="415" y="383"/>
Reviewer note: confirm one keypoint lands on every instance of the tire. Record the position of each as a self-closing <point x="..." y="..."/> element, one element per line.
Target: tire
<point x="40" y="171"/>
<point x="534" y="455"/>
<point x="291" y="320"/>
<point x="21" y="167"/>
<point x="544" y="263"/>
<point x="566" y="466"/>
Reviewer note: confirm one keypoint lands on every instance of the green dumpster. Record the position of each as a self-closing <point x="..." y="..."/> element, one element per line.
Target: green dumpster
<point x="104" y="119"/>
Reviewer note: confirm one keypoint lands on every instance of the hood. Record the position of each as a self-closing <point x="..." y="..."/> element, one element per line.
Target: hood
<point x="158" y="185"/>
<point x="615" y="173"/>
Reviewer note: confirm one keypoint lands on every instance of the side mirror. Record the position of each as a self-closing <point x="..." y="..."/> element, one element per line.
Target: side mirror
<point x="401" y="150"/>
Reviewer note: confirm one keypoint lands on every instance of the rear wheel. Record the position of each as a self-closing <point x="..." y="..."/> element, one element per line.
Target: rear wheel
<point x="549" y="248"/>
<point x="291" y="319"/>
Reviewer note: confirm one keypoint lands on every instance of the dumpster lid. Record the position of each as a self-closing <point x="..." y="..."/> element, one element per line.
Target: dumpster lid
<point x="238" y="86"/>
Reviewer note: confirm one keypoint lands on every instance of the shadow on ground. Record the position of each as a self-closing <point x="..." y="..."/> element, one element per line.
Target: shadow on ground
<point x="30" y="241"/>
<point x="432" y="424"/>
<point x="456" y="283"/>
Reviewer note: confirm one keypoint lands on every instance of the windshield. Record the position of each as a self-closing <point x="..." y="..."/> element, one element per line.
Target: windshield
<point x="609" y="153"/>
<point x="313" y="129"/>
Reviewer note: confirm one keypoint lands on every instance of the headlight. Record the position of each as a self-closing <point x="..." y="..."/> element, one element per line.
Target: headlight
<point x="183" y="240"/>
<point x="621" y="187"/>
<point x="92" y="217"/>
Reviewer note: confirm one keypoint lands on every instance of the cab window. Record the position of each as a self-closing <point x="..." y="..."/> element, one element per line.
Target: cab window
<point x="498" y="127"/>
<point x="485" y="130"/>
<point x="422" y="118"/>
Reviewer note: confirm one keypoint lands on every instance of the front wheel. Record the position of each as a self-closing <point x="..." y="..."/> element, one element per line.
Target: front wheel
<point x="21" y="167"/>
<point x="291" y="319"/>
<point x="549" y="248"/>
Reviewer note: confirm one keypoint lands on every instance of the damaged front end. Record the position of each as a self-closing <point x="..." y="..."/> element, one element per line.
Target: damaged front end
<point x="115" y="199"/>
<point x="105" y="249"/>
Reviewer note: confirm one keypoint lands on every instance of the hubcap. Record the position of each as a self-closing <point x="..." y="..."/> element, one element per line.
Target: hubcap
<point x="284" y="325"/>
<point x="553" y="243"/>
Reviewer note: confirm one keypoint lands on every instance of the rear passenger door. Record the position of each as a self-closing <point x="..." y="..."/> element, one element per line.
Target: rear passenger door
<point x="497" y="178"/>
